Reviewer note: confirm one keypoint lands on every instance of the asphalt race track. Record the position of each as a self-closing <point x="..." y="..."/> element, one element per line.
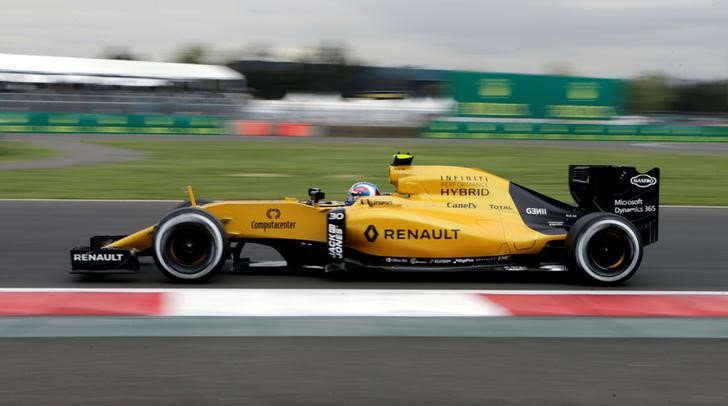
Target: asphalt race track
<point x="37" y="235"/>
<point x="363" y="371"/>
<point x="332" y="370"/>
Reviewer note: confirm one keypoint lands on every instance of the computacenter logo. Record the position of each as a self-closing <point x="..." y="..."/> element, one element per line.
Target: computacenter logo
<point x="273" y="215"/>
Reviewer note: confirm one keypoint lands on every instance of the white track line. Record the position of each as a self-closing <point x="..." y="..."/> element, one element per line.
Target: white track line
<point x="371" y="291"/>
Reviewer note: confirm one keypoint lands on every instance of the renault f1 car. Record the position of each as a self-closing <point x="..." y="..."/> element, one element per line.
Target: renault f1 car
<point x="440" y="218"/>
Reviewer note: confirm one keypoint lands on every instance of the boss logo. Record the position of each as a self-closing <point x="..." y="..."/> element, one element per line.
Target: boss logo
<point x="643" y="180"/>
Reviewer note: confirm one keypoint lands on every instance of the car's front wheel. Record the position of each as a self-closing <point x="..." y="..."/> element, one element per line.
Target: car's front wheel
<point x="189" y="245"/>
<point x="604" y="248"/>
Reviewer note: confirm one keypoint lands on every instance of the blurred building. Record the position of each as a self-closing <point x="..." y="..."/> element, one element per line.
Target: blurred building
<point x="30" y="83"/>
<point x="275" y="79"/>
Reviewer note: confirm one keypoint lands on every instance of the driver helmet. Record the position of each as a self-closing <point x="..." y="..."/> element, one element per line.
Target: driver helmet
<point x="361" y="189"/>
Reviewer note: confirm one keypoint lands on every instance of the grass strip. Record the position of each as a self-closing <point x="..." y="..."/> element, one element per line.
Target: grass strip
<point x="273" y="169"/>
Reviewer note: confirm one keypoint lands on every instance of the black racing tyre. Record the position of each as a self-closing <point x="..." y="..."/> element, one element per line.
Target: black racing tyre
<point x="189" y="245"/>
<point x="604" y="248"/>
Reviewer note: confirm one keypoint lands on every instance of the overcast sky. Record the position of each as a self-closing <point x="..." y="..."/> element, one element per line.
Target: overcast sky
<point x="615" y="38"/>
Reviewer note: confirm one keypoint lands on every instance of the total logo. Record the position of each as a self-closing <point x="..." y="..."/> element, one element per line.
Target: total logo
<point x="643" y="181"/>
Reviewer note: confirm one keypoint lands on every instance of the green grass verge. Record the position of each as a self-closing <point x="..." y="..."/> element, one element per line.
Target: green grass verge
<point x="264" y="169"/>
<point x="18" y="151"/>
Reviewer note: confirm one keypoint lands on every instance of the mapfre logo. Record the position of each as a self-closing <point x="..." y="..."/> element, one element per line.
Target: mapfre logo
<point x="643" y="180"/>
<point x="273" y="214"/>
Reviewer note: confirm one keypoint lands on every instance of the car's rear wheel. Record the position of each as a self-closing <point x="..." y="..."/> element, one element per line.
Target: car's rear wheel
<point x="604" y="248"/>
<point x="189" y="245"/>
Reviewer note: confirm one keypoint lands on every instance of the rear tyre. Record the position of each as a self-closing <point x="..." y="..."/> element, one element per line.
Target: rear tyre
<point x="189" y="245"/>
<point x="604" y="248"/>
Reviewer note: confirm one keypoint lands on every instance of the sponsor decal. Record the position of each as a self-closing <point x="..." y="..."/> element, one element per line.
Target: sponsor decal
<point x="643" y="180"/>
<point x="458" y="205"/>
<point x="421" y="234"/>
<point x="624" y="206"/>
<point x="97" y="257"/>
<point x="515" y="268"/>
<point x="376" y="203"/>
<point x="448" y="261"/>
<point x="272" y="225"/>
<point x="335" y="234"/>
<point x="336" y="241"/>
<point x="465" y="192"/>
<point x="395" y="260"/>
<point x="464" y="185"/>
<point x="463" y="178"/>
<point x="536" y="211"/>
<point x="371" y="233"/>
<point x="273" y="214"/>
<point x="623" y="202"/>
<point x="636" y="209"/>
<point x="500" y="207"/>
<point x="556" y="223"/>
<point x="481" y="260"/>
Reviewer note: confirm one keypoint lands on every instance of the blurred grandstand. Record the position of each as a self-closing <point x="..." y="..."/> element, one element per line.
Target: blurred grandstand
<point x="345" y="98"/>
<point x="30" y="83"/>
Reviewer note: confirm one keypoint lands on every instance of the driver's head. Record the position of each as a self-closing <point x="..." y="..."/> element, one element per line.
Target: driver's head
<point x="361" y="189"/>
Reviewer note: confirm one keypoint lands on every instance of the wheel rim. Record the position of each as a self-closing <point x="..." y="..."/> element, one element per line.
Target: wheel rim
<point x="190" y="247"/>
<point x="609" y="250"/>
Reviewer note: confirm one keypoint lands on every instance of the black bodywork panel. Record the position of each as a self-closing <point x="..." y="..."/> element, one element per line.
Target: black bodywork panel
<point x="620" y="190"/>
<point x="103" y="260"/>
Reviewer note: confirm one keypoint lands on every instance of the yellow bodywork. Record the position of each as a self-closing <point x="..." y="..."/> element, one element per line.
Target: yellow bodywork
<point x="436" y="212"/>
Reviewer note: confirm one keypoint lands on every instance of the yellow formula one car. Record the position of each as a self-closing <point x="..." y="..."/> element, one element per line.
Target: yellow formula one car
<point x="440" y="218"/>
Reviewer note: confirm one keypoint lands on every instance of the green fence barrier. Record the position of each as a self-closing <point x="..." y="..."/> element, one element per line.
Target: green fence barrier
<point x="590" y="132"/>
<point x="111" y="123"/>
<point x="507" y="95"/>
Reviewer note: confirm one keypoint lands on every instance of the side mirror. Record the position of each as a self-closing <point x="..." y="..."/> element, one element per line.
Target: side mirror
<point x="316" y="194"/>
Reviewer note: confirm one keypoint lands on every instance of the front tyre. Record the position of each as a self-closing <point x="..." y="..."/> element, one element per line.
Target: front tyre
<point x="189" y="245"/>
<point x="604" y="248"/>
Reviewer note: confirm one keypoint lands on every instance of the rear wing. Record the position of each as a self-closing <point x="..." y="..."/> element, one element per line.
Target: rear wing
<point x="621" y="190"/>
